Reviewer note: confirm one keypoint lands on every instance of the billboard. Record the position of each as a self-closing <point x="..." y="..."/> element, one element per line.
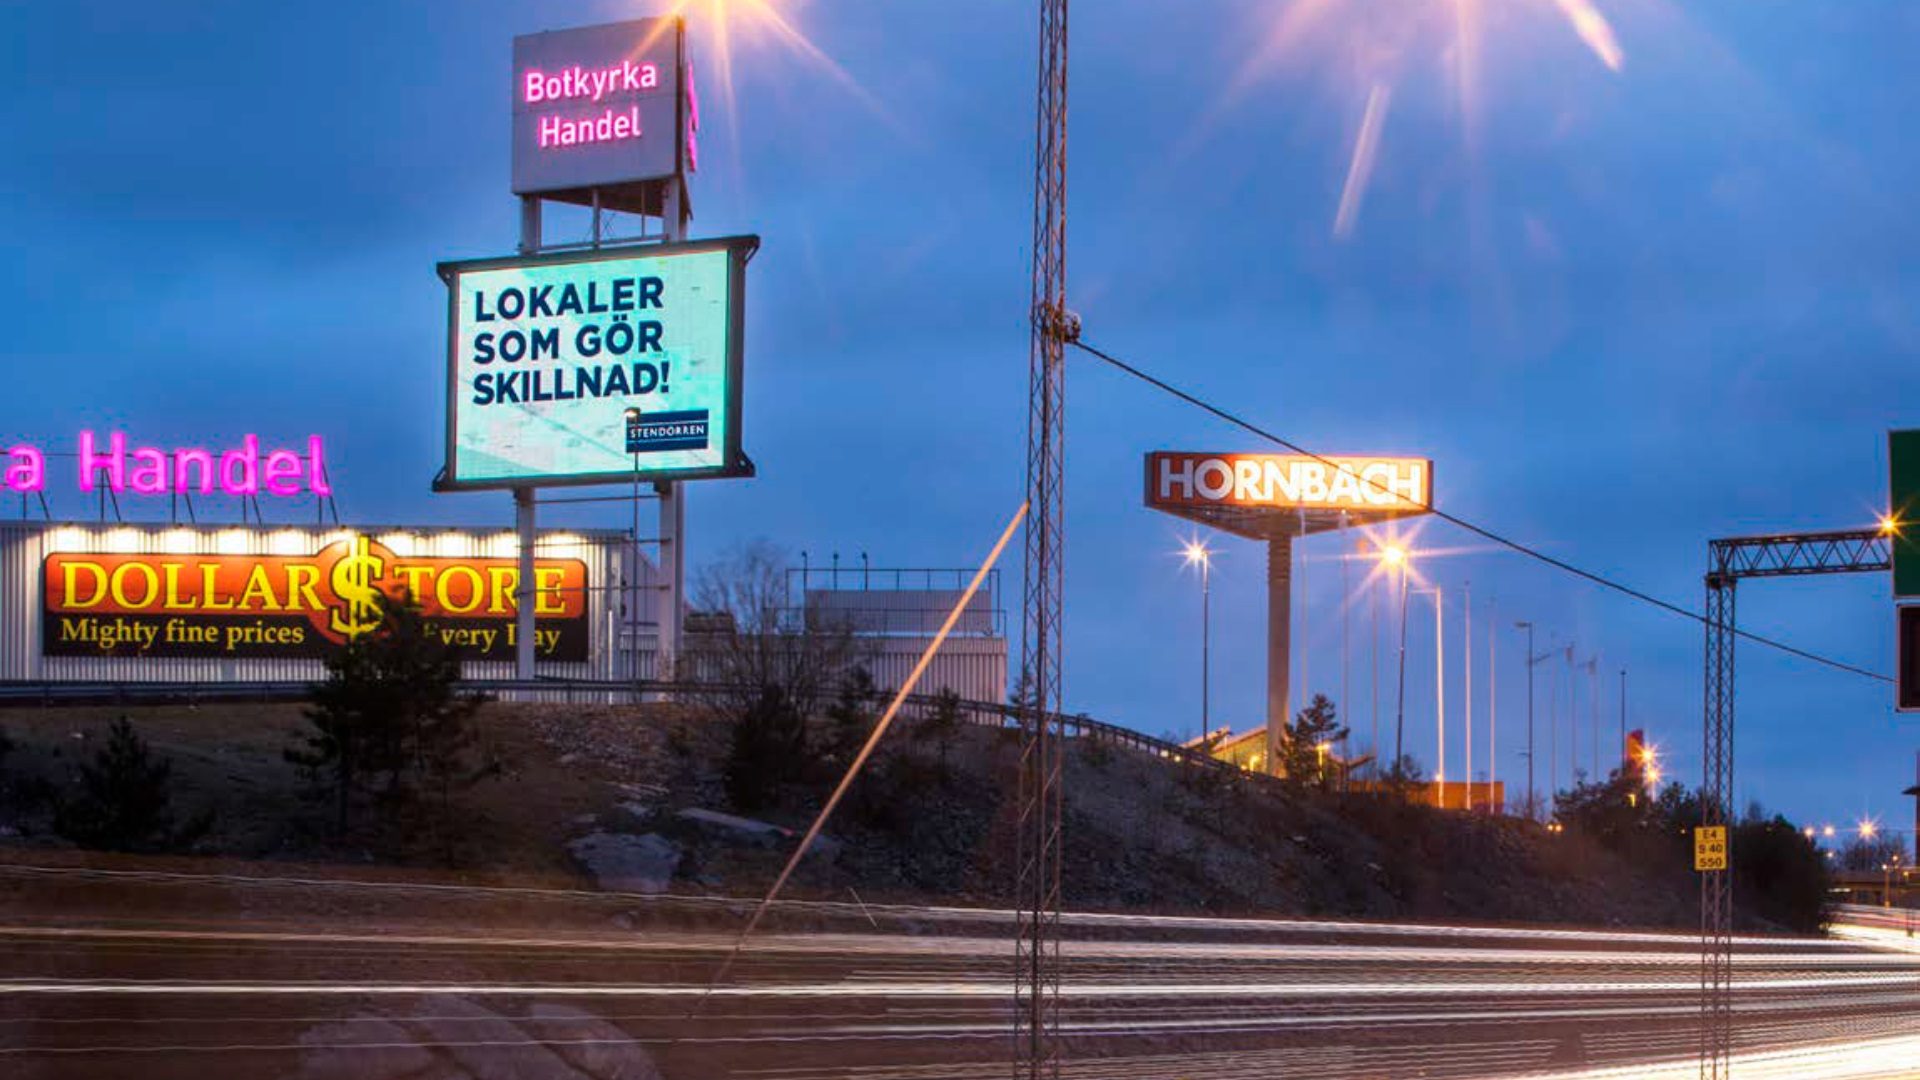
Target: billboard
<point x="1903" y="510"/>
<point x="593" y="367"/>
<point x="233" y="606"/>
<point x="599" y="107"/>
<point x="1906" y="696"/>
<point x="1187" y="480"/>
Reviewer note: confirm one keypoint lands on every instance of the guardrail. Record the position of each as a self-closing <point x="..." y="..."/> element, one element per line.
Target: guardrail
<point x="983" y="713"/>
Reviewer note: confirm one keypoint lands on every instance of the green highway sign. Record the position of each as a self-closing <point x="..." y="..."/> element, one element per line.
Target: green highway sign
<point x="1903" y="506"/>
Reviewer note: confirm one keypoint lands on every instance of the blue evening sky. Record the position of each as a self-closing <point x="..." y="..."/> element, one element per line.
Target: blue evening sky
<point x="1623" y="312"/>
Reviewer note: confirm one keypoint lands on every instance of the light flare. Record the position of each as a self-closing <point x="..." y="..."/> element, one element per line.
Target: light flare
<point x="1595" y="30"/>
<point x="1366" y="150"/>
<point x="1381" y="46"/>
<point x="734" y="25"/>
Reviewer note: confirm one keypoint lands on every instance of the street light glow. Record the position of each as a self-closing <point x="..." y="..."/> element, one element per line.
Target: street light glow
<point x="1868" y="829"/>
<point x="1393" y="554"/>
<point x="1889" y="524"/>
<point x="1197" y="554"/>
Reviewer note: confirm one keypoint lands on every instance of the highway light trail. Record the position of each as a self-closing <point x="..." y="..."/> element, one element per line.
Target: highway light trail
<point x="139" y="972"/>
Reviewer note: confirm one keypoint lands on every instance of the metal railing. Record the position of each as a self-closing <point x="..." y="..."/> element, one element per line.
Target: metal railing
<point x="983" y="713"/>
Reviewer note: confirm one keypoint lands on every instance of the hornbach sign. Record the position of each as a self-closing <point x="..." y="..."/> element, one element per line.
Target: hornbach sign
<point x="1180" y="479"/>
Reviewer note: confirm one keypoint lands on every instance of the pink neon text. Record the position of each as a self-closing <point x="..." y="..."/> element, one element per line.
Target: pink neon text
<point x="149" y="470"/>
<point x="593" y="84"/>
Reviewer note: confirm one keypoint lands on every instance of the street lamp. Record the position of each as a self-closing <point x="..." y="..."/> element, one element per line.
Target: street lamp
<point x="633" y="567"/>
<point x="1394" y="558"/>
<point x="1439" y="694"/>
<point x="1532" y="660"/>
<point x="1198" y="554"/>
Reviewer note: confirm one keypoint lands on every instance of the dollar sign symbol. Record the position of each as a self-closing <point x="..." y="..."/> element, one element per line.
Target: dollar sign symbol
<point x="352" y="580"/>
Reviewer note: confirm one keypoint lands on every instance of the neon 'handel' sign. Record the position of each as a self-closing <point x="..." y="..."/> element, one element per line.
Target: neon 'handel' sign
<point x="118" y="467"/>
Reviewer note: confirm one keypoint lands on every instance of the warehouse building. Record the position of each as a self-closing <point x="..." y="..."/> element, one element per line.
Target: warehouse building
<point x="107" y="602"/>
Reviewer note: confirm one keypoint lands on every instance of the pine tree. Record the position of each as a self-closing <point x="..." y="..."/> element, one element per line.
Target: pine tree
<point x="124" y="803"/>
<point x="389" y="716"/>
<point x="1307" y="755"/>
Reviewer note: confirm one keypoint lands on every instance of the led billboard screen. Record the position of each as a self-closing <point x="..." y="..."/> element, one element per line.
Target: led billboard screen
<point x="596" y="367"/>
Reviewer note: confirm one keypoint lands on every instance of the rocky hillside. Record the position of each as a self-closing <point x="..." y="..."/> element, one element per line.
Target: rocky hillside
<point x="634" y="798"/>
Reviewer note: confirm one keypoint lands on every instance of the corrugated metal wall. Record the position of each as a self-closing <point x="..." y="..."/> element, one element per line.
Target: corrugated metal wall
<point x="974" y="668"/>
<point x="24" y="547"/>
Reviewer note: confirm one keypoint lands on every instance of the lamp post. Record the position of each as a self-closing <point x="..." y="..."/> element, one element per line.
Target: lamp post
<point x="1532" y="660"/>
<point x="1373" y="652"/>
<point x="1439" y="694"/>
<point x="1494" y="794"/>
<point x="1198" y="554"/>
<point x="1466" y="653"/>
<point x="1396" y="559"/>
<point x="633" y="567"/>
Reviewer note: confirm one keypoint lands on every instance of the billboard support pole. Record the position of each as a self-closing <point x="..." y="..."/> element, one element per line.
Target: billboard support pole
<point x="1279" y="643"/>
<point x="673" y="496"/>
<point x="524" y="522"/>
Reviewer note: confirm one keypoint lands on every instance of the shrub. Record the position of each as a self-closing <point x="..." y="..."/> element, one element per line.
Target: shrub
<point x="389" y="719"/>
<point x="768" y="750"/>
<point x="850" y="717"/>
<point x="124" y="803"/>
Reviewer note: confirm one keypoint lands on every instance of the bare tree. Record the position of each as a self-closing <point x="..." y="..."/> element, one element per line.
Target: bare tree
<point x="756" y="638"/>
<point x="772" y="666"/>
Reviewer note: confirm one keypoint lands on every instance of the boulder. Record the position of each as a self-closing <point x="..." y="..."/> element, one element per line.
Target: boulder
<point x="620" y="862"/>
<point x="758" y="833"/>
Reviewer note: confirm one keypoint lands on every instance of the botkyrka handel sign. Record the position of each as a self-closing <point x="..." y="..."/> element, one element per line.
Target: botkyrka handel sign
<point x="600" y="108"/>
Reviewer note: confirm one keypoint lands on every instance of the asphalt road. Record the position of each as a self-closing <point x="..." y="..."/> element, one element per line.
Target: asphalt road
<point x="155" y="974"/>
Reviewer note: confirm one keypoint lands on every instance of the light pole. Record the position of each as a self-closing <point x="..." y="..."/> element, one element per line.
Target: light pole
<point x="1396" y="557"/>
<point x="1623" y="714"/>
<point x="633" y="567"/>
<point x="1439" y="695"/>
<point x="1198" y="554"/>
<point x="1466" y="653"/>
<point x="1373" y="651"/>
<point x="1346" y="620"/>
<point x="1532" y="660"/>
<point x="1493" y="712"/>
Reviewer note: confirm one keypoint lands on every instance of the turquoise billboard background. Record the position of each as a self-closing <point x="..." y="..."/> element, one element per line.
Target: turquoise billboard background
<point x="548" y="357"/>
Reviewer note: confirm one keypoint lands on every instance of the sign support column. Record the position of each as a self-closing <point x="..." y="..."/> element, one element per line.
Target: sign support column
<point x="673" y="496"/>
<point x="1279" y="642"/>
<point x="525" y="525"/>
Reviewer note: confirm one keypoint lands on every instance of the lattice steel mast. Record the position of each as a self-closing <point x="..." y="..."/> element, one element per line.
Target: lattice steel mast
<point x="1036" y="952"/>
<point x="1796" y="555"/>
